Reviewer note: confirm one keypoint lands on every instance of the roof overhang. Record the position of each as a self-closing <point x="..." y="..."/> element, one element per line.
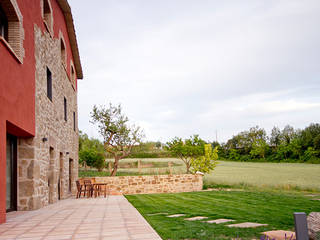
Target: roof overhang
<point x="65" y="7"/>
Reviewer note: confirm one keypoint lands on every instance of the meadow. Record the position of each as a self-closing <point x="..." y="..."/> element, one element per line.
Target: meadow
<point x="287" y="176"/>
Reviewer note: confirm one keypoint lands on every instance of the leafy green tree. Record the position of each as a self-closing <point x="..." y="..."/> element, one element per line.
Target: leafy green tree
<point x="186" y="150"/>
<point x="234" y="155"/>
<point x="206" y="163"/>
<point x="119" y="137"/>
<point x="275" y="138"/>
<point x="91" y="152"/>
<point x="259" y="148"/>
<point x="92" y="158"/>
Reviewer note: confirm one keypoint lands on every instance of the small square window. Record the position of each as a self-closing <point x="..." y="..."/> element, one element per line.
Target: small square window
<point x="49" y="84"/>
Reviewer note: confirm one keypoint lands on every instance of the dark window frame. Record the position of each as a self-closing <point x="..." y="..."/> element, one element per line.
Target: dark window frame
<point x="4" y="24"/>
<point x="74" y="121"/>
<point x="63" y="52"/>
<point x="65" y="109"/>
<point x="49" y="84"/>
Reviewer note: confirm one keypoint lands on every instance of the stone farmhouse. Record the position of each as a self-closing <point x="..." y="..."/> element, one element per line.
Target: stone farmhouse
<point x="39" y="68"/>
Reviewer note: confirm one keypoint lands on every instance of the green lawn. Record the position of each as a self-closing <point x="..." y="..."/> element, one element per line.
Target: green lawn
<point x="272" y="208"/>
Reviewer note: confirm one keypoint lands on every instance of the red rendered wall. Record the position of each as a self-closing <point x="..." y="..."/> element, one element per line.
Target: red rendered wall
<point x="17" y="83"/>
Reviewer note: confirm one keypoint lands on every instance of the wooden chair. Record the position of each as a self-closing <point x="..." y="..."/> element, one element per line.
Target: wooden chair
<point x="80" y="189"/>
<point x="100" y="189"/>
<point x="88" y="187"/>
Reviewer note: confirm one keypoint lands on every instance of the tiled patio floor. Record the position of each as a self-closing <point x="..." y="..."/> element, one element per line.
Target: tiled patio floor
<point x="98" y="218"/>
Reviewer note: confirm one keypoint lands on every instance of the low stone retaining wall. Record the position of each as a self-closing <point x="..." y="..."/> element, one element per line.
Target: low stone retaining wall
<point x="152" y="184"/>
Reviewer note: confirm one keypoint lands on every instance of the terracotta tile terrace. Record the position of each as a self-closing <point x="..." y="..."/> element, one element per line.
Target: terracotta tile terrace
<point x="94" y="218"/>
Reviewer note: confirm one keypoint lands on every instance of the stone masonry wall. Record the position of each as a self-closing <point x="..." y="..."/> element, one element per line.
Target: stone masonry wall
<point x="152" y="184"/>
<point x="43" y="161"/>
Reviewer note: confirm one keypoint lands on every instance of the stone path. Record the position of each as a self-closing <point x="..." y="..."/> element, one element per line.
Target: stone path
<point x="247" y="225"/>
<point x="221" y="220"/>
<point x="195" y="218"/>
<point x="91" y="219"/>
<point x="176" y="215"/>
<point x="280" y="235"/>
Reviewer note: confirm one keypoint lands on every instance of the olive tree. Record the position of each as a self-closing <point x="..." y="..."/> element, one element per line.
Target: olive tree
<point x="119" y="137"/>
<point x="186" y="150"/>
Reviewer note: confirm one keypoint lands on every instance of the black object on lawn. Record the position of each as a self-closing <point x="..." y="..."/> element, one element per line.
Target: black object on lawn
<point x="301" y="226"/>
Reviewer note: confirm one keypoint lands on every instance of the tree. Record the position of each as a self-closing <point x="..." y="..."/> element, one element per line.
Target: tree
<point x="186" y="150"/>
<point x="259" y="148"/>
<point x="275" y="138"/>
<point x="206" y="163"/>
<point x="119" y="137"/>
<point x="91" y="152"/>
<point x="92" y="158"/>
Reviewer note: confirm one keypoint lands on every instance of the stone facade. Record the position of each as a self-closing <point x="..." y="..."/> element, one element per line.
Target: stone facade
<point x="152" y="184"/>
<point x="48" y="163"/>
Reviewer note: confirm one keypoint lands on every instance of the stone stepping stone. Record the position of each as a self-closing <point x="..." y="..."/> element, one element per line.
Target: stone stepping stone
<point x="176" y="215"/>
<point x="195" y="218"/>
<point x="155" y="214"/>
<point x="247" y="225"/>
<point x="280" y="235"/>
<point x="219" y="221"/>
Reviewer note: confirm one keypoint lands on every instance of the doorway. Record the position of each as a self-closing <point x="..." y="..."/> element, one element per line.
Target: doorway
<point x="70" y="174"/>
<point x="60" y="189"/>
<point x="11" y="173"/>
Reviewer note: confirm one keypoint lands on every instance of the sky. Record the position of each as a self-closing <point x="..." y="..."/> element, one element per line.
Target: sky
<point x="210" y="67"/>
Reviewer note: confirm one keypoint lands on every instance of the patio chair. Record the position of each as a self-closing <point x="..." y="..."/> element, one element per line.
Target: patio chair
<point x="80" y="189"/>
<point x="88" y="187"/>
<point x="100" y="189"/>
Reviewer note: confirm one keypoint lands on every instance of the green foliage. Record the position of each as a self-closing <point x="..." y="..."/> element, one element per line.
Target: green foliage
<point x="206" y="163"/>
<point x="186" y="150"/>
<point x="259" y="148"/>
<point x="119" y="137"/>
<point x="286" y="145"/>
<point x="91" y="152"/>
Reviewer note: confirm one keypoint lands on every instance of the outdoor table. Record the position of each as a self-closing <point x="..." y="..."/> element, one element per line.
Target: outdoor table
<point x="99" y="188"/>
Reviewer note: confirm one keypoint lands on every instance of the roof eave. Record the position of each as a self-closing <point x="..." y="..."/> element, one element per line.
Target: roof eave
<point x="65" y="7"/>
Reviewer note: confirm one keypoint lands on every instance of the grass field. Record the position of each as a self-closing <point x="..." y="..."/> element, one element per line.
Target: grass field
<point x="287" y="176"/>
<point x="296" y="176"/>
<point x="273" y="208"/>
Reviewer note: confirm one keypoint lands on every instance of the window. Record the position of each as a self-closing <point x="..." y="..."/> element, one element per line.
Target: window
<point x="74" y="121"/>
<point x="73" y="74"/>
<point x="47" y="15"/>
<point x="11" y="28"/>
<point x="49" y="84"/>
<point x="63" y="52"/>
<point x="3" y="24"/>
<point x="65" y="108"/>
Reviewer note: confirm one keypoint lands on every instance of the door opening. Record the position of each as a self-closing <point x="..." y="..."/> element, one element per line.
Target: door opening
<point x="11" y="173"/>
<point x="70" y="174"/>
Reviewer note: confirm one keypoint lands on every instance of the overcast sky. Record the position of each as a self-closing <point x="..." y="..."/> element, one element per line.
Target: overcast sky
<point x="183" y="67"/>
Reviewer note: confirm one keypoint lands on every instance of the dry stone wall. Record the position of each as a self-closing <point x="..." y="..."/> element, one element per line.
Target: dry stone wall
<point x="152" y="184"/>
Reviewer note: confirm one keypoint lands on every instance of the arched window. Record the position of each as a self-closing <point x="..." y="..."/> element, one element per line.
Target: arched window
<point x="11" y="27"/>
<point x="3" y="24"/>
<point x="73" y="75"/>
<point x="63" y="52"/>
<point x="47" y="15"/>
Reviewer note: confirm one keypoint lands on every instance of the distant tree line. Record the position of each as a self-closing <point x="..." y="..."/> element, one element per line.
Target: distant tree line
<point x="283" y="145"/>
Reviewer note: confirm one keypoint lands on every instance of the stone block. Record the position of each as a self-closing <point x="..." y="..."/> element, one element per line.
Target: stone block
<point x="26" y="153"/>
<point x="314" y="225"/>
<point x="26" y="188"/>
